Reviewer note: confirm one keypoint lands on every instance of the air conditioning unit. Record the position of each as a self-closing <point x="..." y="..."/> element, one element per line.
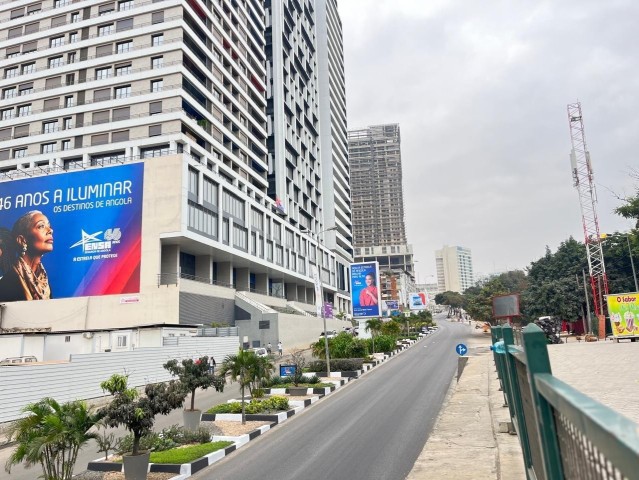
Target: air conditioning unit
<point x="88" y="335"/>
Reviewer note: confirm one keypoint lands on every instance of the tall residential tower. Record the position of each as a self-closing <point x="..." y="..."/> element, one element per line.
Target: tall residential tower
<point x="454" y="269"/>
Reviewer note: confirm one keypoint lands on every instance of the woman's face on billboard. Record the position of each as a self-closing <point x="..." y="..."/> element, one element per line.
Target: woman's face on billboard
<point x="39" y="235"/>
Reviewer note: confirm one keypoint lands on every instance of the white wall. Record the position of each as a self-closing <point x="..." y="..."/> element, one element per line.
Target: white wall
<point x="11" y="346"/>
<point x="297" y="331"/>
<point x="80" y="378"/>
<point x="57" y="348"/>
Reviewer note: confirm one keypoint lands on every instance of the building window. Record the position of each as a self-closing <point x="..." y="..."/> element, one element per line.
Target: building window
<point x="48" y="147"/>
<point x="75" y="17"/>
<point x="157" y="40"/>
<point x="66" y="144"/>
<point x="121" y="340"/>
<point x="157" y="62"/>
<point x="121" y="70"/>
<point x="56" y="41"/>
<point x="68" y="101"/>
<point x="102" y="73"/>
<point x="50" y="127"/>
<point x="24" y="110"/>
<point x="155" y="130"/>
<point x="19" y="152"/>
<point x="9" y="93"/>
<point x="71" y="57"/>
<point x="105" y="30"/>
<point x="67" y="338"/>
<point x="209" y="193"/>
<point x="106" y="8"/>
<point x="56" y="62"/>
<point x="240" y="237"/>
<point x="158" y="151"/>
<point x="123" y="91"/>
<point x="155" y="108"/>
<point x="73" y="37"/>
<point x="124" y="47"/>
<point x="66" y="123"/>
<point x="25" y="89"/>
<point x="233" y="205"/>
<point x="11" y="72"/>
<point x="193" y="182"/>
<point x="156" y="85"/>
<point x="28" y="68"/>
<point x="125" y="5"/>
<point x="60" y="3"/>
<point x="8" y="114"/>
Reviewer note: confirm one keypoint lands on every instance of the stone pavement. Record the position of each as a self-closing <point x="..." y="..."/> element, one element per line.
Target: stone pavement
<point x="466" y="442"/>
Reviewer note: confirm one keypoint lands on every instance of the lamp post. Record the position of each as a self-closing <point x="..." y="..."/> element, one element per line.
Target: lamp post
<point x="632" y="263"/>
<point x="319" y="302"/>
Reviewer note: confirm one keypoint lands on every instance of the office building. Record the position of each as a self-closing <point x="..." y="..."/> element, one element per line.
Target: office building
<point x="211" y="100"/>
<point x="454" y="269"/>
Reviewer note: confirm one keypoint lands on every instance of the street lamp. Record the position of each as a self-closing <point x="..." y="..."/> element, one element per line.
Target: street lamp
<point x="310" y="233"/>
<point x="632" y="263"/>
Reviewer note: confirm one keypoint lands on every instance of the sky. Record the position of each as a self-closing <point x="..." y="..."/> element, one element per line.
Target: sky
<point x="480" y="91"/>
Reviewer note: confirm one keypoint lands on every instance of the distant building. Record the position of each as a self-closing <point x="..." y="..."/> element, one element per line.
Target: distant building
<point x="454" y="269"/>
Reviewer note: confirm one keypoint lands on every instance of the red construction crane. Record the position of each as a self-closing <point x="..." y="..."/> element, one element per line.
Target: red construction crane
<point x="582" y="175"/>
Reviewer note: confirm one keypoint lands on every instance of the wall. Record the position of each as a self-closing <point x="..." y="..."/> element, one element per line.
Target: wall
<point x="80" y="378"/>
<point x="297" y="331"/>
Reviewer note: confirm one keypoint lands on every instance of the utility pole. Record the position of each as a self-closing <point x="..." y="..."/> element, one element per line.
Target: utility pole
<point x="632" y="262"/>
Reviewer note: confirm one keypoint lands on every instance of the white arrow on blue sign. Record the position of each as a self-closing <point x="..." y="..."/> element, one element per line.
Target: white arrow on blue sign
<point x="461" y="349"/>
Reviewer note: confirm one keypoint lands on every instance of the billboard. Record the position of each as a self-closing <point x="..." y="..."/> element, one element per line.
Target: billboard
<point x="366" y="295"/>
<point x="72" y="234"/>
<point x="418" y="301"/>
<point x="506" y="306"/>
<point x="623" y="309"/>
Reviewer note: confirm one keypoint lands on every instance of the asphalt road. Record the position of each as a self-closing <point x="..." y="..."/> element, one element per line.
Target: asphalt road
<point x="373" y="428"/>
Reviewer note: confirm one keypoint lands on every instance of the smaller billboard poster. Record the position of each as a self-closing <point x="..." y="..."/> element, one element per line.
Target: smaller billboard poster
<point x="506" y="306"/>
<point x="623" y="309"/>
<point x="417" y="301"/>
<point x="287" y="370"/>
<point x="328" y="310"/>
<point x="392" y="304"/>
<point x="366" y="296"/>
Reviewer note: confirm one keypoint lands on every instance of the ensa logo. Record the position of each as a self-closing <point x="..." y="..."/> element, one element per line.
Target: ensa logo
<point x="92" y="243"/>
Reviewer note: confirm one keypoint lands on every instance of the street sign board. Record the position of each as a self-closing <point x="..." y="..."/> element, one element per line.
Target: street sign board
<point x="461" y="349"/>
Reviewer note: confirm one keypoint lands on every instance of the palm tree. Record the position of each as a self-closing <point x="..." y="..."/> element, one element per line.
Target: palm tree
<point x="240" y="366"/>
<point x="51" y="434"/>
<point x="260" y="371"/>
<point x="374" y="325"/>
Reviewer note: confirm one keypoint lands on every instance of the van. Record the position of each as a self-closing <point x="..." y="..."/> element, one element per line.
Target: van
<point x="260" y="352"/>
<point x="18" y="360"/>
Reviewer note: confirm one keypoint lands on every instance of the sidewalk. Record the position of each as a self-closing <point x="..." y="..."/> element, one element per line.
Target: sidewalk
<point x="466" y="443"/>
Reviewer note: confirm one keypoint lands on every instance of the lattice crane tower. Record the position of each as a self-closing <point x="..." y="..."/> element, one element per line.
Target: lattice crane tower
<point x="583" y="179"/>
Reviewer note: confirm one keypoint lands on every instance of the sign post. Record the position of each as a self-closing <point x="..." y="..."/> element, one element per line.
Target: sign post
<point x="319" y="303"/>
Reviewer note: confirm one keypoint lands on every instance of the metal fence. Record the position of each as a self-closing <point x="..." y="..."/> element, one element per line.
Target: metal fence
<point x="563" y="433"/>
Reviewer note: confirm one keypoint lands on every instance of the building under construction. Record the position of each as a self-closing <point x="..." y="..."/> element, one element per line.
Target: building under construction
<point x="379" y="231"/>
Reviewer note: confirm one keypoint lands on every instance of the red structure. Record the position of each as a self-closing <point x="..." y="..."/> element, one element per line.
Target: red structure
<point x="582" y="175"/>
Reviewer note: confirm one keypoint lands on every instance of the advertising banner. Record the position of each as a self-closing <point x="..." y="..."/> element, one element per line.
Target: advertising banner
<point x="623" y="309"/>
<point x="71" y="234"/>
<point x="319" y="295"/>
<point x="366" y="295"/>
<point x="417" y="301"/>
<point x="392" y="304"/>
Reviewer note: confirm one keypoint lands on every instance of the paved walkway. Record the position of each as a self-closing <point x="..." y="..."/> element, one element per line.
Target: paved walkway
<point x="466" y="442"/>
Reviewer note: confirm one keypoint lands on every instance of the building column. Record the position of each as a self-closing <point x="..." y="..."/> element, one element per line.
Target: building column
<point x="225" y="273"/>
<point x="261" y="283"/>
<point x="204" y="267"/>
<point x="242" y="279"/>
<point x="291" y="292"/>
<point x="301" y="294"/>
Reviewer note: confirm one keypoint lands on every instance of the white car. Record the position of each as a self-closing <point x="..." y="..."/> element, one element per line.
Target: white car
<point x="329" y="334"/>
<point x="260" y="352"/>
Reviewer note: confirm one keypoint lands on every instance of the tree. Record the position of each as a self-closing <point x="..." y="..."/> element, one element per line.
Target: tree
<point x="137" y="413"/>
<point x="452" y="299"/>
<point x="193" y="375"/>
<point x="374" y="325"/>
<point x="51" y="434"/>
<point x="239" y="367"/>
<point x="392" y="328"/>
<point x="260" y="371"/>
<point x="478" y="299"/>
<point x="630" y="209"/>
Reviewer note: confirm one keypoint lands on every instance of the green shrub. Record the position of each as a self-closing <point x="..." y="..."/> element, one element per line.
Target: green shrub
<point x="168" y="438"/>
<point x="384" y="343"/>
<point x="337" y="364"/>
<point x="187" y="454"/>
<point x="274" y="403"/>
<point x="277" y="402"/>
<point x="312" y="380"/>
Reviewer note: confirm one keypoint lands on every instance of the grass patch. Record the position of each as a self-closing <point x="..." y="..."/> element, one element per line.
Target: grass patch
<point x="187" y="454"/>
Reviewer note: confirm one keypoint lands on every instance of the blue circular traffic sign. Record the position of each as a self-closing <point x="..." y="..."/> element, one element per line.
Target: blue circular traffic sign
<point x="461" y="349"/>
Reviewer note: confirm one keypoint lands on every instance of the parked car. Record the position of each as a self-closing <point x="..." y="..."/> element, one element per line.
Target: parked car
<point x="18" y="360"/>
<point x="329" y="334"/>
<point x="260" y="352"/>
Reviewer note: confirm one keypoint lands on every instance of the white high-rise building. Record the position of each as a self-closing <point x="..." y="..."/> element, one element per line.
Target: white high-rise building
<point x="220" y="104"/>
<point x="454" y="269"/>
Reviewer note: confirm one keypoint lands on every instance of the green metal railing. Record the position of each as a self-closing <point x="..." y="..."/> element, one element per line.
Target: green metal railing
<point x="563" y="433"/>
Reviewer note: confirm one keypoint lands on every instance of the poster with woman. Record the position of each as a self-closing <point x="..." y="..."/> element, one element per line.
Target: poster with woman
<point x="71" y="234"/>
<point x="365" y="291"/>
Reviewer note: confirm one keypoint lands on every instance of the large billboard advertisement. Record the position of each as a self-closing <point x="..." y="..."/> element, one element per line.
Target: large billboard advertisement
<point x="366" y="300"/>
<point x="71" y="234"/>
<point x="623" y="309"/>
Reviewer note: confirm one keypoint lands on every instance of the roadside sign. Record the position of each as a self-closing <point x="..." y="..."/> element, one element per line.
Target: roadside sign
<point x="461" y="349"/>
